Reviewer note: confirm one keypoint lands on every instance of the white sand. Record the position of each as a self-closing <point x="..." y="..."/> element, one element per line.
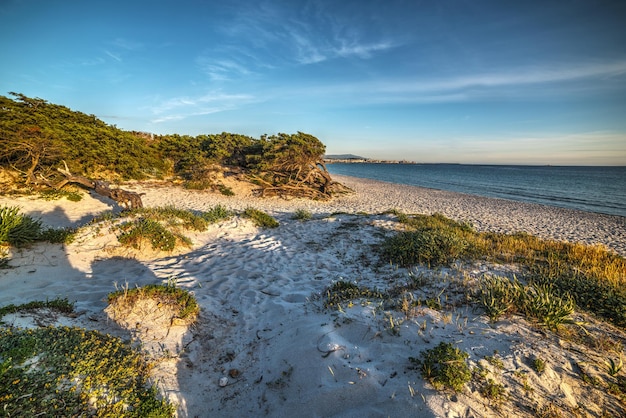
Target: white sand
<point x="261" y="295"/>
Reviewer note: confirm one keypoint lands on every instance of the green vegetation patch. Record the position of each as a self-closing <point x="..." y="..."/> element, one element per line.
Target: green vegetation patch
<point x="16" y="229"/>
<point x="60" y="305"/>
<point x="434" y="240"/>
<point x="136" y="232"/>
<point x="302" y="215"/>
<point x="444" y="366"/>
<point x="74" y="372"/>
<point x="345" y="292"/>
<point x="542" y="303"/>
<point x="54" y="194"/>
<point x="260" y="218"/>
<point x="184" y="302"/>
<point x="163" y="227"/>
<point x="592" y="276"/>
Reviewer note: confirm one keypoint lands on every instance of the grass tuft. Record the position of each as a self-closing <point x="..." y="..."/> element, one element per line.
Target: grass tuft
<point x="302" y="215"/>
<point x="260" y="218"/>
<point x="163" y="227"/>
<point x="183" y="301"/>
<point x="444" y="366"/>
<point x="16" y="229"/>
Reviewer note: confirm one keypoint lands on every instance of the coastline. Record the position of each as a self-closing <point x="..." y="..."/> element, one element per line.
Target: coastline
<point x="375" y="196"/>
<point x="262" y="292"/>
<point x="493" y="214"/>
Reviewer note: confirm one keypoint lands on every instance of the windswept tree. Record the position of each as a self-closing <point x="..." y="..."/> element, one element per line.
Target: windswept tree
<point x="292" y="165"/>
<point x="26" y="142"/>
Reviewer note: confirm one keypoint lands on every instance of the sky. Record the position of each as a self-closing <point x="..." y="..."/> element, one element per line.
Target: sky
<point x="446" y="81"/>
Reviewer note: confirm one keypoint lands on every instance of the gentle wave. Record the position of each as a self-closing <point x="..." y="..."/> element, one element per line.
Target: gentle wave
<point x="591" y="189"/>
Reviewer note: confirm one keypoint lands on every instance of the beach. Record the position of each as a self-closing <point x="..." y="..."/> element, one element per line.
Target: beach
<point x="264" y="329"/>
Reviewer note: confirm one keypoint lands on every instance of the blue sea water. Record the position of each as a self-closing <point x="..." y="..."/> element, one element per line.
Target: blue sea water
<point x="591" y="189"/>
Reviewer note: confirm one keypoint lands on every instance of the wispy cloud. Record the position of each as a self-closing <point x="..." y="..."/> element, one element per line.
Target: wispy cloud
<point x="178" y="108"/>
<point x="363" y="50"/>
<point x="221" y="69"/>
<point x="518" y="77"/>
<point x="548" y="81"/>
<point x="282" y="35"/>
<point x="126" y="44"/>
<point x="112" y="55"/>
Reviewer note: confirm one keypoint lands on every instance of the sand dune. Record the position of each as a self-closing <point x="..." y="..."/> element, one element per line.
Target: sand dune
<point x="263" y="325"/>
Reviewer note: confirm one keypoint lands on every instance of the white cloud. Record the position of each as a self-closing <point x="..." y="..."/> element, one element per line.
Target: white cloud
<point x="518" y="77"/>
<point x="178" y="108"/>
<point x="363" y="50"/>
<point x="112" y="55"/>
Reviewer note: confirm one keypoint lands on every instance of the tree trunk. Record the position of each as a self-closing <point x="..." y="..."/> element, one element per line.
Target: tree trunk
<point x="129" y="200"/>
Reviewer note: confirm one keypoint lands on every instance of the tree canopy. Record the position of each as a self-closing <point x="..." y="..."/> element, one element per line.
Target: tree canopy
<point x="36" y="137"/>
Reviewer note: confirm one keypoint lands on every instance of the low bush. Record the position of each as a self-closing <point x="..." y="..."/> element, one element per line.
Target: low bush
<point x="59" y="305"/>
<point x="74" y="372"/>
<point x="434" y="247"/>
<point x="444" y="366"/>
<point x="163" y="227"/>
<point x="54" y="194"/>
<point x="260" y="219"/>
<point x="58" y="235"/>
<point x="497" y="296"/>
<point x="17" y="229"/>
<point x="542" y="303"/>
<point x="344" y="291"/>
<point x="138" y="231"/>
<point x="302" y="215"/>
<point x="592" y="275"/>
<point x="216" y="214"/>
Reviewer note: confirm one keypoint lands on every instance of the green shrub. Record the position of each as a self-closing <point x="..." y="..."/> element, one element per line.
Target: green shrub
<point x="173" y="217"/>
<point x="434" y="247"/>
<point x="74" y="372"/>
<point x="141" y="230"/>
<point x="544" y="304"/>
<point x="444" y="366"/>
<point x="202" y="184"/>
<point x="60" y="305"/>
<point x="16" y="229"/>
<point x="54" y="194"/>
<point x="302" y="215"/>
<point x="539" y="365"/>
<point x="216" y="214"/>
<point x="225" y="190"/>
<point x="594" y="276"/>
<point x="58" y="235"/>
<point x="497" y="296"/>
<point x="344" y="291"/>
<point x="260" y="218"/>
<point x="493" y="391"/>
<point x="163" y="226"/>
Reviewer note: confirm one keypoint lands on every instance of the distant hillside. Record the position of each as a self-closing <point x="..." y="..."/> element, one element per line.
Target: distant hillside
<point x="343" y="157"/>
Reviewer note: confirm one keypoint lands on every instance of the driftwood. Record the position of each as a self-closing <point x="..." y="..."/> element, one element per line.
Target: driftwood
<point x="129" y="200"/>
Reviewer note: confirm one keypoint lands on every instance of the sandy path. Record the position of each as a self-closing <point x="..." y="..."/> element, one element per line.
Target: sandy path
<point x="261" y="293"/>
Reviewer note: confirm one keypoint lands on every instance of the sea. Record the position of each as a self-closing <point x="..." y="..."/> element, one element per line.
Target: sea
<point x="591" y="189"/>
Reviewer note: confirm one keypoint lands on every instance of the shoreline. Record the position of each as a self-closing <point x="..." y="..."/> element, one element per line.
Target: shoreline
<point x="264" y="328"/>
<point x="495" y="214"/>
<point x="486" y="214"/>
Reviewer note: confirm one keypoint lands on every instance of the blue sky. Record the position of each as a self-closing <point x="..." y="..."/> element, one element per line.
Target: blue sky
<point x="529" y="82"/>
